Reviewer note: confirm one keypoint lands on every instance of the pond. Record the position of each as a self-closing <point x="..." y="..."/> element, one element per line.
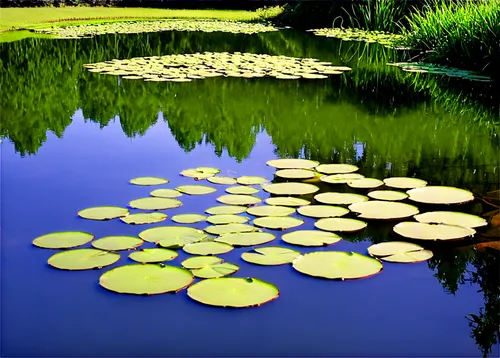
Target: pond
<point x="72" y="139"/>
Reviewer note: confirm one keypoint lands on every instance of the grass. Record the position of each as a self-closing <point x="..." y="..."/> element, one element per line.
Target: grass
<point x="379" y="15"/>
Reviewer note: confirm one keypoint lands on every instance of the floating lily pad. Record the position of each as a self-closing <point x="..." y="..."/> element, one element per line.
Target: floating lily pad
<point x="231" y="199"/>
<point x="153" y="203"/>
<point x="63" y="240"/>
<point x="336" y="168"/>
<point x="229" y="229"/>
<point x="295" y="173"/>
<point x="200" y="173"/>
<point x="292" y="163"/>
<point x="451" y="218"/>
<point x="200" y="261"/>
<point x="241" y="190"/>
<point x="153" y="255"/>
<point x="388" y="195"/>
<point x="311" y="238"/>
<point x="399" y="251"/>
<point x="233" y="292"/>
<point x="207" y="248"/>
<point x="82" y="259"/>
<point x="103" y="212"/>
<point x="172" y="236"/>
<point x="337" y="265"/>
<point x="322" y="211"/>
<point x="433" y="232"/>
<point x="340" y="224"/>
<point x="287" y="201"/>
<point x="290" y="188"/>
<point x="404" y="183"/>
<point x="365" y="183"/>
<point x="340" y="198"/>
<point x="270" y="210"/>
<point x="222" y="180"/>
<point x="440" y="195"/>
<point x="144" y="218"/>
<point x="195" y="189"/>
<point x="149" y="181"/>
<point x="226" y="209"/>
<point x="278" y="222"/>
<point x="209" y="267"/>
<point x="383" y="210"/>
<point x="251" y="180"/>
<point x="341" y="178"/>
<point x="270" y="255"/>
<point x="246" y="238"/>
<point x="148" y="279"/>
<point x="117" y="243"/>
<point x="227" y="219"/>
<point x="165" y="193"/>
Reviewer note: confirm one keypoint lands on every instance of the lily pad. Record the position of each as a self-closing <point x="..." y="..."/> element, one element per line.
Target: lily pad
<point x="270" y="255"/>
<point x="200" y="261"/>
<point x="399" y="251"/>
<point x="322" y="211"/>
<point x="172" y="236"/>
<point x="153" y="203"/>
<point x="233" y="292"/>
<point x="149" y="181"/>
<point x="103" y="212"/>
<point x="340" y="224"/>
<point x="227" y="219"/>
<point x="148" y="279"/>
<point x="144" y="218"/>
<point x="117" y="243"/>
<point x="295" y="174"/>
<point x="195" y="189"/>
<point x="451" y="218"/>
<point x="290" y="188"/>
<point x="383" y="210"/>
<point x="209" y="267"/>
<point x="229" y="229"/>
<point x="388" y="195"/>
<point x="226" y="209"/>
<point x="188" y="218"/>
<point x="311" y="238"/>
<point x="337" y="265"/>
<point x="200" y="173"/>
<point x="207" y="248"/>
<point x="63" y="240"/>
<point x="340" y="198"/>
<point x="287" y="201"/>
<point x="154" y="255"/>
<point x="231" y="199"/>
<point x="440" y="195"/>
<point x="241" y="190"/>
<point x="432" y="232"/>
<point x="270" y="210"/>
<point x="404" y="183"/>
<point x="222" y="180"/>
<point x="292" y="163"/>
<point x="165" y="193"/>
<point x="278" y="222"/>
<point x="83" y="259"/>
<point x="366" y="183"/>
<point x="251" y="180"/>
<point x="336" y="168"/>
<point x="341" y="178"/>
<point x="246" y="238"/>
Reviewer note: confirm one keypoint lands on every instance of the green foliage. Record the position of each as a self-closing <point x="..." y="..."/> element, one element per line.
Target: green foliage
<point x="379" y="15"/>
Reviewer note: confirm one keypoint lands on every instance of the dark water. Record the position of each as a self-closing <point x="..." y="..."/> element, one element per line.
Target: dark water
<point x="72" y="139"/>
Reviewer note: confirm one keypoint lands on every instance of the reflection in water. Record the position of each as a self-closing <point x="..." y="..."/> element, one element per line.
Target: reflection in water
<point x="387" y="122"/>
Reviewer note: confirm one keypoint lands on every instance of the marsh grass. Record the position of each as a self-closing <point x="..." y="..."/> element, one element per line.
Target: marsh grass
<point x="380" y="15"/>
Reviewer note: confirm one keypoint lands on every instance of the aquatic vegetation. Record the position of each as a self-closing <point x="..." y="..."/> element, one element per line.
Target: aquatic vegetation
<point x="292" y="163"/>
<point x="334" y="198"/>
<point x="207" y="248"/>
<point x="154" y="255"/>
<point x="340" y="224"/>
<point x="148" y="181"/>
<point x="322" y="211"/>
<point x="389" y="195"/>
<point x="117" y="243"/>
<point x="246" y="238"/>
<point x="354" y="34"/>
<point x="290" y="188"/>
<point x="382" y="15"/>
<point x="311" y="238"/>
<point x="103" y="213"/>
<point x="270" y="210"/>
<point x="188" y="218"/>
<point x="287" y="201"/>
<point x="451" y="218"/>
<point x="435" y="69"/>
<point x="221" y="219"/>
<point x="144" y="218"/>
<point x="399" y="251"/>
<point x="440" y="195"/>
<point x="209" y="266"/>
<point x="278" y="222"/>
<point x="195" y="189"/>
<point x="404" y="183"/>
<point x="154" y="203"/>
<point x="383" y="210"/>
<point x="82" y="259"/>
<point x="63" y="240"/>
<point x="270" y="255"/>
<point x="435" y="232"/>
<point x="242" y="190"/>
<point x="365" y="183"/>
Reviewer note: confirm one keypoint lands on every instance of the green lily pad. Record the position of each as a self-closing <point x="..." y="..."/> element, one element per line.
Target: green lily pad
<point x="290" y="188"/>
<point x="340" y="198"/>
<point x="154" y="255"/>
<point x="172" y="236"/>
<point x="432" y="232"/>
<point x="388" y="195"/>
<point x="233" y="292"/>
<point x="311" y="238"/>
<point x="340" y="224"/>
<point x="287" y="201"/>
<point x="251" y="180"/>
<point x="404" y="183"/>
<point x="231" y="199"/>
<point x="195" y="189"/>
<point x="152" y="203"/>
<point x="246" y="238"/>
<point x="365" y="183"/>
<point x="200" y="173"/>
<point x="292" y="163"/>
<point x="165" y="193"/>
<point x="207" y="248"/>
<point x="322" y="211"/>
<point x="241" y="190"/>
<point x="270" y="255"/>
<point x="222" y="180"/>
<point x="451" y="218"/>
<point x="103" y="212"/>
<point x="200" y="261"/>
<point x="399" y="251"/>
<point x="147" y="279"/>
<point x="188" y="218"/>
<point x="117" y="243"/>
<point x="229" y="229"/>
<point x="149" y="181"/>
<point x="226" y="210"/>
<point x="336" y="168"/>
<point x="295" y="174"/>
<point x="270" y="210"/>
<point x="383" y="210"/>
<point x="341" y="178"/>
<point x="278" y="222"/>
<point x="209" y="267"/>
<point x="337" y="265"/>
<point x="144" y="218"/>
<point x="63" y="240"/>
<point x="440" y="195"/>
<point x="82" y="259"/>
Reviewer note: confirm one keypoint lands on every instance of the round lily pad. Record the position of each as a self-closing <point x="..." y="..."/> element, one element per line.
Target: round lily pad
<point x="440" y="195"/>
<point x="144" y="218"/>
<point x="188" y="218"/>
<point x="103" y="212"/>
<point x="152" y="203"/>
<point x="451" y="218"/>
<point x="404" y="183"/>
<point x="195" y="189"/>
<point x="231" y="199"/>
<point x="341" y="178"/>
<point x="222" y="180"/>
<point x="200" y="261"/>
<point x="290" y="188"/>
<point x="229" y="229"/>
<point x="270" y="210"/>
<point x="399" y="251"/>
<point x="292" y="163"/>
<point x="242" y="190"/>
<point x="270" y="255"/>
<point x="226" y="210"/>
<point x="197" y="174"/>
<point x="322" y="211"/>
<point x="251" y="180"/>
<point x="287" y="201"/>
<point x="165" y="193"/>
<point x="433" y="232"/>
<point x="383" y="210"/>
<point x="337" y="265"/>
<point x="365" y="183"/>
<point x="246" y="238"/>
<point x="233" y="292"/>
<point x="149" y="181"/>
<point x="388" y="195"/>
<point x="340" y="224"/>
<point x="63" y="240"/>
<point x="148" y="279"/>
<point x="172" y="236"/>
<point x="207" y="248"/>
<point x="83" y="259"/>
<point x="340" y="198"/>
<point x="209" y="267"/>
<point x="278" y="222"/>
<point x="227" y="219"/>
<point x="311" y="238"/>
<point x="153" y="255"/>
<point x="117" y="243"/>
<point x="336" y="168"/>
<point x="295" y="173"/>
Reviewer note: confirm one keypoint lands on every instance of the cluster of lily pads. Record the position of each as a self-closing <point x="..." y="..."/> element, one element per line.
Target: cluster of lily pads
<point x="422" y="67"/>
<point x="353" y="34"/>
<point x="188" y="67"/>
<point x="295" y="193"/>
<point x="157" y="26"/>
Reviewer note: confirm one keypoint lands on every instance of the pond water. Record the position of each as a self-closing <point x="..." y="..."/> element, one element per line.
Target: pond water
<point x="72" y="139"/>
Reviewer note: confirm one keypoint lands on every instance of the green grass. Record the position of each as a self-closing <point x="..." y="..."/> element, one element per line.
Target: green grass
<point x="380" y="15"/>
